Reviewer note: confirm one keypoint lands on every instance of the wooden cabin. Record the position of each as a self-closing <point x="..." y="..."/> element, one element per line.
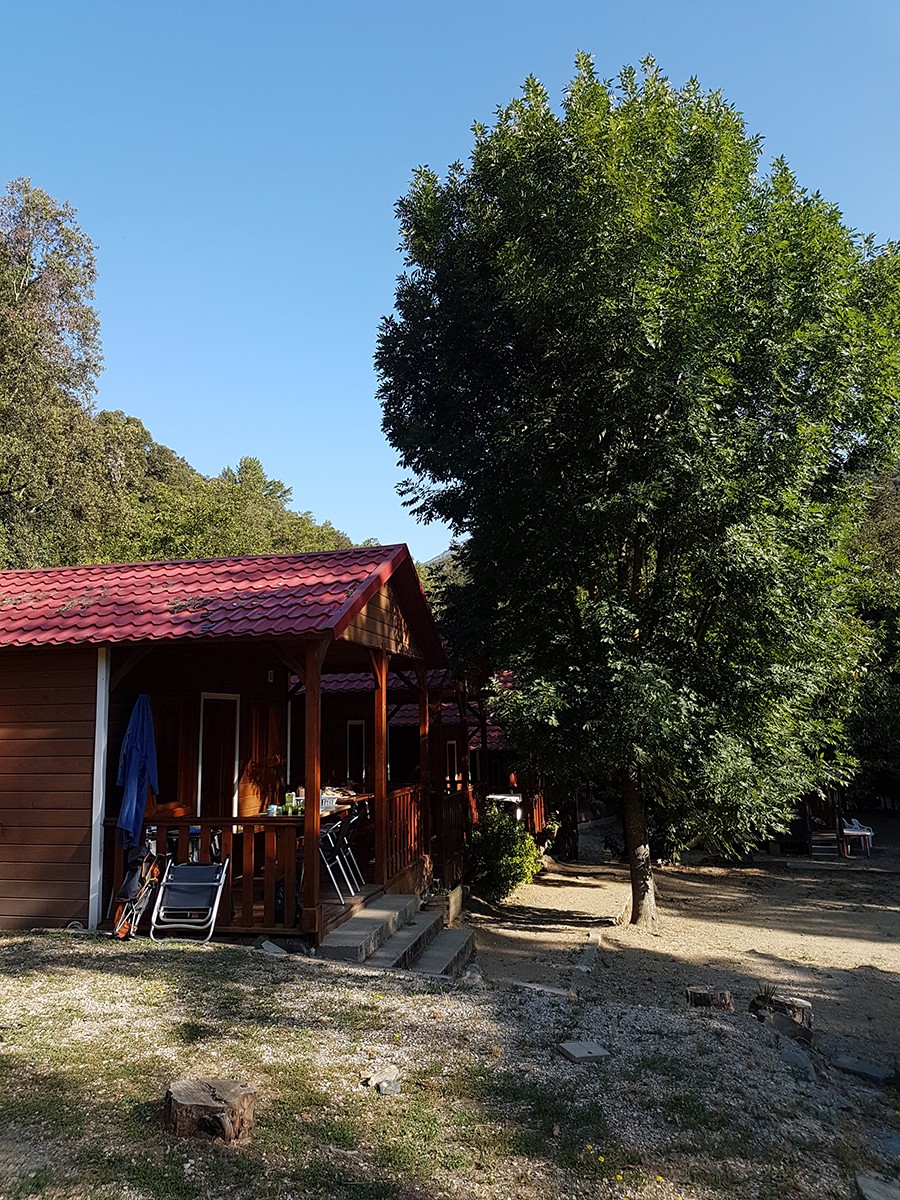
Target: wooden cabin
<point x="242" y="660"/>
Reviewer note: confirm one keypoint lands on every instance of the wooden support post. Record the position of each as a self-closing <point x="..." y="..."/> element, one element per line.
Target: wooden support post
<point x="424" y="763"/>
<point x="437" y="763"/>
<point x="312" y="909"/>
<point x="380" y="670"/>
<point x="463" y="750"/>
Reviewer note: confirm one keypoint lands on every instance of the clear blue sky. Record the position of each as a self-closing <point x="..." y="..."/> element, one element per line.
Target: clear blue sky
<point x="237" y="163"/>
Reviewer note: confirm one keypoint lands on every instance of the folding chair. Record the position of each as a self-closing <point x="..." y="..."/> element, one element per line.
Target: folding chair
<point x="359" y="811"/>
<point x="331" y="840"/>
<point x="188" y="899"/>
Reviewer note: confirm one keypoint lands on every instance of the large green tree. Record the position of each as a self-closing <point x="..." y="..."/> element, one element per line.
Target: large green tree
<point x="49" y="361"/>
<point x="643" y="381"/>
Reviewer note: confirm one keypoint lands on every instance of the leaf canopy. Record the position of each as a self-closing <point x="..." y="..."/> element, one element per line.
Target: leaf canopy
<point x="646" y="383"/>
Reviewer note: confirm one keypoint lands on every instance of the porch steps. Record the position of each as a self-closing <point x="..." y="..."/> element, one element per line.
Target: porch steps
<point x="407" y="944"/>
<point x="447" y="954"/>
<point x="392" y="934"/>
<point x="358" y="939"/>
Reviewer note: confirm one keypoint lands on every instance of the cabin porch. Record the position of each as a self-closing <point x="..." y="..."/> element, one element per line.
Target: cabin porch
<point x="263" y="887"/>
<point x="245" y="723"/>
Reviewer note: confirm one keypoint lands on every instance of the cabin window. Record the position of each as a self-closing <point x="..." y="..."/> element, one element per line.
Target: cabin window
<point x="356" y="752"/>
<point x="218" y="755"/>
<point x="452" y="767"/>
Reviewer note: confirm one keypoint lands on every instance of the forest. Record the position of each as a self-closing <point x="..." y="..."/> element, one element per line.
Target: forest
<point x="80" y="484"/>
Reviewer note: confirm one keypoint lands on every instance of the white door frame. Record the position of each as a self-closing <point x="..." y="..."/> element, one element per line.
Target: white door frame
<point x="98" y="795"/>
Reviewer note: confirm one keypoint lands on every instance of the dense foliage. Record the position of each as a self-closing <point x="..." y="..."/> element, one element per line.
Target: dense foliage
<point x="78" y="485"/>
<point x="504" y="854"/>
<point x="874" y="724"/>
<point x="646" y="385"/>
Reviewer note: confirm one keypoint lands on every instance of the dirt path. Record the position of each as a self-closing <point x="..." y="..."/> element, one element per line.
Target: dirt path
<point x="827" y="932"/>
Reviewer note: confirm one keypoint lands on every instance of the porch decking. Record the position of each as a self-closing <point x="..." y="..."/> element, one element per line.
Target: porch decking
<point x="262" y="892"/>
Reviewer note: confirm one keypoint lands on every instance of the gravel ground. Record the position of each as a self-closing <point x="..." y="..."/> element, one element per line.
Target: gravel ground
<point x="697" y="1104"/>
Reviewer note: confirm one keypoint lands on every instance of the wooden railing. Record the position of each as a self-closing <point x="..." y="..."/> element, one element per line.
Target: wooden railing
<point x="405" y="830"/>
<point x="262" y="888"/>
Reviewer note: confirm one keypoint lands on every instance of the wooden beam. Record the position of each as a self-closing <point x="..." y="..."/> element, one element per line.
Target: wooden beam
<point x="380" y="671"/>
<point x="127" y="666"/>
<point x="404" y="679"/>
<point x="291" y="662"/>
<point x="311" y="921"/>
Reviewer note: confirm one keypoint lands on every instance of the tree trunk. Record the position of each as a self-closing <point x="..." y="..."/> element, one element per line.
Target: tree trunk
<point x="634" y="822"/>
<point x="565" y="845"/>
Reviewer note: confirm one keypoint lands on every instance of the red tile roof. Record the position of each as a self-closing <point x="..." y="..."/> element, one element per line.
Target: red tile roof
<point x="266" y="596"/>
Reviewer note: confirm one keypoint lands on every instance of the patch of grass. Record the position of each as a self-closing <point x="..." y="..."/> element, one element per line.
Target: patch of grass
<point x="331" y="1180"/>
<point x="546" y="1124"/>
<point x="189" y="1032"/>
<point x="159" y="1180"/>
<point x="38" y="1099"/>
<point x="361" y="1017"/>
<point x="410" y="1138"/>
<point x="228" y="1001"/>
<point x="723" y="1136"/>
<point x="35" y="1184"/>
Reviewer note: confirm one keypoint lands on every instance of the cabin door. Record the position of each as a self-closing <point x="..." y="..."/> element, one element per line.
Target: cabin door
<point x="219" y="755"/>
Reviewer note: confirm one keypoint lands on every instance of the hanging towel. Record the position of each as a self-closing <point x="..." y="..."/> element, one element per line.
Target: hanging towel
<point x="137" y="769"/>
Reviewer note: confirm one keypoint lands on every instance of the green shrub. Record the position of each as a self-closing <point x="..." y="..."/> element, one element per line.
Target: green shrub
<point x="504" y="854"/>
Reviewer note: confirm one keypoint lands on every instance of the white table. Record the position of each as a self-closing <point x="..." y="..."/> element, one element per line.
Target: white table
<point x="508" y="798"/>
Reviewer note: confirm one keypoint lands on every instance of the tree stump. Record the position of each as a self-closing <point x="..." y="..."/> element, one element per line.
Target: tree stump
<point x="700" y="997"/>
<point x="218" y="1107"/>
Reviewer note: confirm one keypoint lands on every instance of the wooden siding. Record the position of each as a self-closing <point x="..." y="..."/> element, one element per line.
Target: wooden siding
<point x="382" y="625"/>
<point x="47" y="708"/>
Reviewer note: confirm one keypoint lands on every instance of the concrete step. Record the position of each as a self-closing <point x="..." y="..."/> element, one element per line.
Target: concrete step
<point x="405" y="946"/>
<point x="359" y="938"/>
<point x="447" y="954"/>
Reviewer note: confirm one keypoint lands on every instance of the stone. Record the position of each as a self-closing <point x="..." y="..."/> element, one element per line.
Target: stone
<point x="786" y="1026"/>
<point x="388" y="1087"/>
<point x="798" y="1060"/>
<point x="264" y="946"/>
<point x="800" y="1012"/>
<point x="587" y="959"/>
<point x="473" y="978"/>
<point x="385" y="1074"/>
<point x="876" y="1187"/>
<point x="545" y="988"/>
<point x="583" y="1052"/>
<point x="870" y="1072"/>
<point x="704" y="997"/>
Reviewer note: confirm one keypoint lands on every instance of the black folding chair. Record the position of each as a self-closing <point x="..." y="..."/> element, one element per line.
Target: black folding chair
<point x="188" y="899"/>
